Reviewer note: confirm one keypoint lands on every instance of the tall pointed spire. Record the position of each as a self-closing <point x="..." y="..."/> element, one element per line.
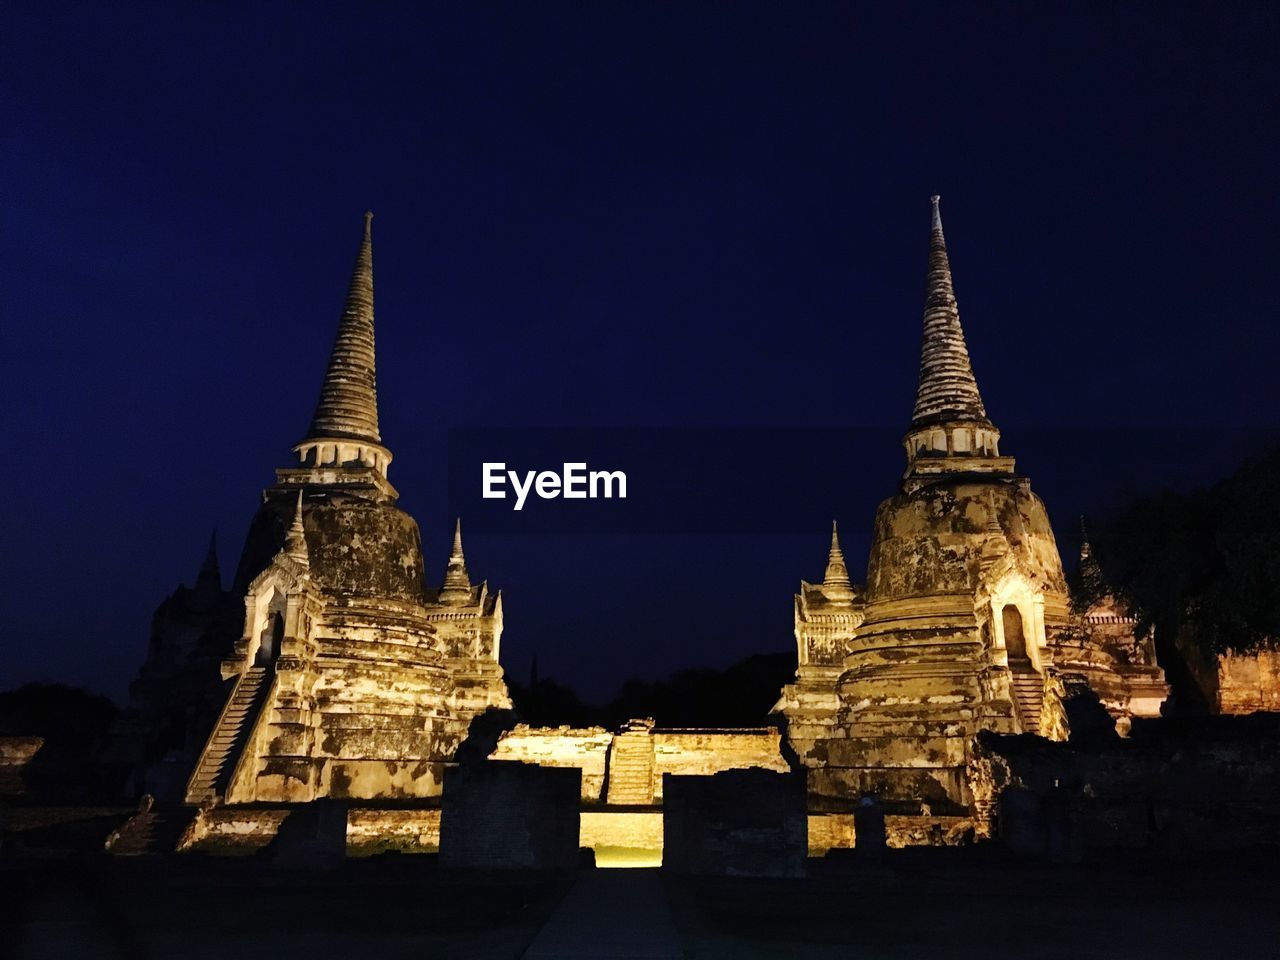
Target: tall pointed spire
<point x="343" y="446"/>
<point x="947" y="390"/>
<point x="835" y="582"/>
<point x="457" y="582"/>
<point x="348" y="407"/>
<point x="950" y="432"/>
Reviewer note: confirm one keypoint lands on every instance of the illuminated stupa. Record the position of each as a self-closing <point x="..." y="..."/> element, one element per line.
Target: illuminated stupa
<point x="965" y="623"/>
<point x="827" y="615"/>
<point x="351" y="678"/>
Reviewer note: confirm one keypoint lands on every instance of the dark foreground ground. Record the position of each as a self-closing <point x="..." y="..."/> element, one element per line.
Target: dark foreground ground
<point x="907" y="906"/>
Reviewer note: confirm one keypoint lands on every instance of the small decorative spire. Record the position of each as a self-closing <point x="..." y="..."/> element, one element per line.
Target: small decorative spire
<point x="993" y="516"/>
<point x="210" y="574"/>
<point x="295" y="541"/>
<point x="457" y="582"/>
<point x="947" y="389"/>
<point x="1090" y="571"/>
<point x="348" y="407"/>
<point x="994" y="545"/>
<point x="835" y="582"/>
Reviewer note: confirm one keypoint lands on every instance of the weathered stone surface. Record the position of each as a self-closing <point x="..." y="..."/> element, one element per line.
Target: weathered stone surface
<point x="232" y="829"/>
<point x="739" y="822"/>
<point x="826" y="618"/>
<point x="500" y="814"/>
<point x="1248" y="683"/>
<point x="689" y="752"/>
<point x="375" y="830"/>
<point x="313" y="836"/>
<point x="348" y="405"/>
<point x="965" y="623"/>
<point x="585" y="749"/>
<point x="352" y="679"/>
<point x="357" y="546"/>
<point x="622" y="832"/>
<point x="15" y="754"/>
<point x="1188" y="786"/>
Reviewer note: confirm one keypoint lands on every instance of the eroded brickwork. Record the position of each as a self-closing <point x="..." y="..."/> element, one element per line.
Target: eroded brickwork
<point x="351" y="679"/>
<point x="965" y="623"/>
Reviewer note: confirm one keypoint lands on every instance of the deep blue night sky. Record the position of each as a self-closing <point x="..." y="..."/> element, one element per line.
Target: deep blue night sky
<point x="601" y="214"/>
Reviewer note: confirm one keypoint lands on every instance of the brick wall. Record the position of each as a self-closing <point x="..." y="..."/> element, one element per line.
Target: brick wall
<point x="502" y="814"/>
<point x="1249" y="682"/>
<point x="738" y="822"/>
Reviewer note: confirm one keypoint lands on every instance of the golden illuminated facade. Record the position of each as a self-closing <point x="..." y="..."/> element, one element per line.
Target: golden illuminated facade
<point x="965" y="622"/>
<point x="827" y="614"/>
<point x="352" y="678"/>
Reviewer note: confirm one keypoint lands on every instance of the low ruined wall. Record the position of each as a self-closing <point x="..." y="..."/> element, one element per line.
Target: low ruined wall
<point x="701" y="753"/>
<point x="372" y="830"/>
<point x="1248" y="683"/>
<point x="584" y="749"/>
<point x="238" y="830"/>
<point x="830" y="831"/>
<point x="500" y="814"/>
<point x="619" y="828"/>
<point x="15" y="754"/>
<point x="836" y="831"/>
<point x="738" y="822"/>
<point x="682" y="752"/>
<point x="1203" y="785"/>
<point x="232" y="830"/>
<point x="908" y="830"/>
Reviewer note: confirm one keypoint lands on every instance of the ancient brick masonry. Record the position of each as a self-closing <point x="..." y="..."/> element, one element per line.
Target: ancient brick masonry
<point x="826" y="617"/>
<point x="351" y="679"/>
<point x="743" y="822"/>
<point x="1179" y="786"/>
<point x="965" y="623"/>
<point x="948" y="390"/>
<point x="175" y="698"/>
<point x="500" y="814"/>
<point x="348" y="404"/>
<point x="468" y="620"/>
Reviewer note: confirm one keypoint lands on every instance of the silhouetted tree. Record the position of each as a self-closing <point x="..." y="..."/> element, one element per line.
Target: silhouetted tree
<point x="1203" y="567"/>
<point x="739" y="695"/>
<point x="545" y="703"/>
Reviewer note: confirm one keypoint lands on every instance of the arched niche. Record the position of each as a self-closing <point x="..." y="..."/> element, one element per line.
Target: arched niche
<point x="268" y="627"/>
<point x="1017" y="623"/>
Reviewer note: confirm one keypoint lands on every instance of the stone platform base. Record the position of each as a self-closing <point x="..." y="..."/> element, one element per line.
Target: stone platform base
<point x="243" y="830"/>
<point x="835" y="831"/>
<point x="619" y="837"/>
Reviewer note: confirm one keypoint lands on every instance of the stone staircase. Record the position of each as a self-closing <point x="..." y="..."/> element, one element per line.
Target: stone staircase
<point x="1028" y="695"/>
<point x="631" y="769"/>
<point x="152" y="830"/>
<point x="218" y="761"/>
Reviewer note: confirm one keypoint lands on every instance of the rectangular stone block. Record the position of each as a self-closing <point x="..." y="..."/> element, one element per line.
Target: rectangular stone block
<point x="739" y="822"/>
<point x="500" y="815"/>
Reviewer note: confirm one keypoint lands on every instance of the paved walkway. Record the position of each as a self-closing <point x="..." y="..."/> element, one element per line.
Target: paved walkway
<point x="610" y="915"/>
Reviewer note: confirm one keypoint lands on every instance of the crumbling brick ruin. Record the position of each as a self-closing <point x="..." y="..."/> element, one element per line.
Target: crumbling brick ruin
<point x="331" y="671"/>
<point x="965" y="623"/>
